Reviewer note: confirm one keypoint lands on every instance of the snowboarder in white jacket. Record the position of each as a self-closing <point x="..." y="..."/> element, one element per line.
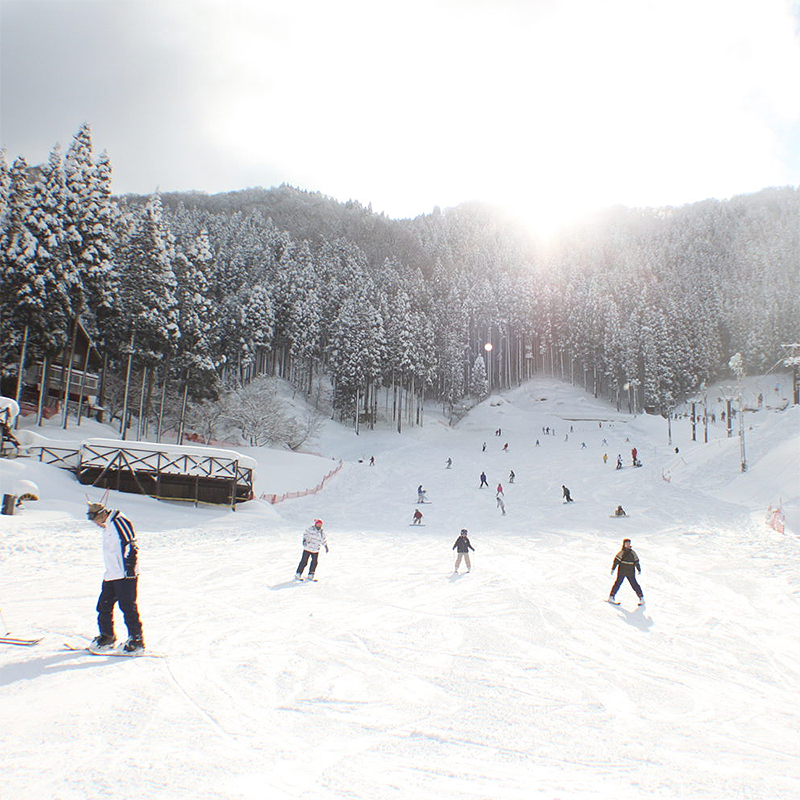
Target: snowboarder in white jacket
<point x="121" y="578"/>
<point x="313" y="540"/>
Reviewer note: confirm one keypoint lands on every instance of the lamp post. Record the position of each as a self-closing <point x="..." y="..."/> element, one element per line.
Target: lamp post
<point x="488" y="348"/>
<point x="737" y="365"/>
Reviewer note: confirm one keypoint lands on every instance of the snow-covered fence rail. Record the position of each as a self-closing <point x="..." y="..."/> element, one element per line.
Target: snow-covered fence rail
<point x="279" y="498"/>
<point x="174" y="472"/>
<point x="64" y="457"/>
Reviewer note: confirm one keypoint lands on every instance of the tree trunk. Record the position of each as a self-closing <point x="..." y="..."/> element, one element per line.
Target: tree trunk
<point x="21" y="368"/>
<point x="43" y="387"/>
<point x="83" y="385"/>
<point x="183" y="405"/>
<point x="65" y="410"/>
<point x="163" y="400"/>
<point x="140" y="420"/>
<point x="124" y="425"/>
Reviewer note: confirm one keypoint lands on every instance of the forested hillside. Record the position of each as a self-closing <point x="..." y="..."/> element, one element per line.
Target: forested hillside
<point x="202" y="293"/>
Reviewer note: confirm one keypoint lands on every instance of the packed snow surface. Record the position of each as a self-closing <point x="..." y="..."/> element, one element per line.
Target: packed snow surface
<point x="392" y="677"/>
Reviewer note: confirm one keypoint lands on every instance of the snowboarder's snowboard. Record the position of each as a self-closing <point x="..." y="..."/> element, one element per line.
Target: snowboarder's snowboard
<point x="618" y="516"/>
<point x="118" y="653"/>
<point x="17" y="641"/>
<point x="419" y="525"/>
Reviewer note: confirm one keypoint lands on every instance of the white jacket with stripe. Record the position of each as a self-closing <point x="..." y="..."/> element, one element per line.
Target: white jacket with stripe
<point x="314" y="539"/>
<point x="120" y="551"/>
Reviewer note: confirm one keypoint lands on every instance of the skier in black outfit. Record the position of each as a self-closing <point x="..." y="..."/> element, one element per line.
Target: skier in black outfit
<point x="565" y="492"/>
<point x="626" y="562"/>
<point x="484" y="482"/>
<point x="462" y="547"/>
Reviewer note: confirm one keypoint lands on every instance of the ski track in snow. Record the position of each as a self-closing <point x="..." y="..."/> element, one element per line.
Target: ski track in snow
<point x="393" y="677"/>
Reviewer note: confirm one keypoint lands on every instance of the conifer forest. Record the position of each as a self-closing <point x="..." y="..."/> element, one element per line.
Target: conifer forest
<point x="194" y="295"/>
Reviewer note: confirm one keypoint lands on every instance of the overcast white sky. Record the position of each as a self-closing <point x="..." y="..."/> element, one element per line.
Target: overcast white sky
<point x="547" y="106"/>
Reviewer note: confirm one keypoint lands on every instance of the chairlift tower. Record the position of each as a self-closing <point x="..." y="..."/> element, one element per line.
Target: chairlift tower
<point x="791" y="358"/>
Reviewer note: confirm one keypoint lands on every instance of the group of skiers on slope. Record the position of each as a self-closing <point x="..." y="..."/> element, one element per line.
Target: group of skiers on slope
<point x="121" y="577"/>
<point x="626" y="561"/>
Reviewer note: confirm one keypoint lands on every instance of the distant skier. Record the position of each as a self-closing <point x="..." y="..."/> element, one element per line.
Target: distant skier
<point x="619" y="461"/>
<point x="505" y="447"/>
<point x="484" y="482"/>
<point x="501" y="505"/>
<point x="620" y="512"/>
<point x="121" y="578"/>
<point x="448" y="463"/>
<point x="313" y="539"/>
<point x="634" y="451"/>
<point x="372" y="461"/>
<point x="605" y="458"/>
<point x="511" y="476"/>
<point x="626" y="562"/>
<point x="483" y="449"/>
<point x="567" y="495"/>
<point x="537" y="443"/>
<point x="417" y="517"/>
<point x="500" y="490"/>
<point x="420" y="494"/>
<point x="462" y="547"/>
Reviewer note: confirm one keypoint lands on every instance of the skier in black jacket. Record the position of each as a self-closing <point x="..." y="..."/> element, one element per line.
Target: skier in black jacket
<point x="462" y="547"/>
<point x="626" y="562"/>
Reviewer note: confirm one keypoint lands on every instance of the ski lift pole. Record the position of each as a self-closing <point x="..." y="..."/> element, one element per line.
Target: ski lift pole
<point x="741" y="435"/>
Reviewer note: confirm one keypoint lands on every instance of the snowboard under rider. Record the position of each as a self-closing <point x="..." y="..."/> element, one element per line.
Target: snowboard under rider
<point x="462" y="548"/>
<point x="313" y="540"/>
<point x="626" y="562"/>
<point x="121" y="578"/>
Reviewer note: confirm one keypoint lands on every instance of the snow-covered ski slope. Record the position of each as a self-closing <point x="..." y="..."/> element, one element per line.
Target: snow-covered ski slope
<point x="393" y="678"/>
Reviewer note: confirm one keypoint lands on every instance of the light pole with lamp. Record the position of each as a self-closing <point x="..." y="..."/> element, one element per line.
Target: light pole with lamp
<point x="488" y="348"/>
<point x="737" y="365"/>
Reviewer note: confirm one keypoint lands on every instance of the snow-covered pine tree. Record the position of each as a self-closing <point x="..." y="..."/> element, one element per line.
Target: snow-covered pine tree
<point x="35" y="305"/>
<point x="479" y="385"/>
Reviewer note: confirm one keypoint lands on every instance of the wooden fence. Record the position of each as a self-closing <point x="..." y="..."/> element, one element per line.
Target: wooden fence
<point x="165" y="473"/>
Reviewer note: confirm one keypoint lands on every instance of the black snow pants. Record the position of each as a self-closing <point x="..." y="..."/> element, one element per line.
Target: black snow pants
<point x="631" y="576"/>
<point x="304" y="560"/>
<point x="122" y="591"/>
